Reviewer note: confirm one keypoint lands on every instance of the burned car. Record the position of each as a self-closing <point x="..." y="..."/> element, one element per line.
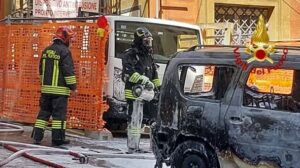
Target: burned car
<point x="213" y="101"/>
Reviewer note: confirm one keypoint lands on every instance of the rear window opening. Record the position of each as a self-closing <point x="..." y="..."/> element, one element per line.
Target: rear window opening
<point x="273" y="89"/>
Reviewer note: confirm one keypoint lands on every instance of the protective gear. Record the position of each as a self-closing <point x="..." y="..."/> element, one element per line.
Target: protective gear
<point x="55" y="106"/>
<point x="140" y="76"/>
<point x="139" y="68"/>
<point x="144" y="79"/>
<point x="142" y="92"/>
<point x="149" y="85"/>
<point x="64" y="34"/>
<point x="57" y="70"/>
<point x="57" y="79"/>
<point x="143" y="38"/>
<point x="134" y="125"/>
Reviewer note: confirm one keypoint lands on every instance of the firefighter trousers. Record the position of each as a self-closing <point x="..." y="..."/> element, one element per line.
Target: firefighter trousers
<point x="55" y="106"/>
<point x="134" y="124"/>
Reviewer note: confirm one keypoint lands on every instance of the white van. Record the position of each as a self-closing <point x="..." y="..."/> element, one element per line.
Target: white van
<point x="168" y="38"/>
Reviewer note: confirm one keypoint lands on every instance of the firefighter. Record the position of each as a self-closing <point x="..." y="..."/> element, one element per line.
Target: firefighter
<point x="139" y="72"/>
<point x="58" y="81"/>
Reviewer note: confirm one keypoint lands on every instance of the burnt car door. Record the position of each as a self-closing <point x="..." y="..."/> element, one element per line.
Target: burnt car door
<point x="202" y="87"/>
<point x="263" y="120"/>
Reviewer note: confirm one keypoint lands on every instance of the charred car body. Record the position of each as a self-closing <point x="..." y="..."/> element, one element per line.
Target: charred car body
<point x="253" y="112"/>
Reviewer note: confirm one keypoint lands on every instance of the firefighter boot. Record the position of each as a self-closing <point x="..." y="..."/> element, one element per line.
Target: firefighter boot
<point x="58" y="133"/>
<point x="37" y="135"/>
<point x="60" y="142"/>
<point x="38" y="131"/>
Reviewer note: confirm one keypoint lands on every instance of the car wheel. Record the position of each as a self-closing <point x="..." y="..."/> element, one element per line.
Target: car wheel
<point x="191" y="154"/>
<point x="193" y="161"/>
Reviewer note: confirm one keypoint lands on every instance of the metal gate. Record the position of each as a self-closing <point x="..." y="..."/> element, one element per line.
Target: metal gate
<point x="244" y="19"/>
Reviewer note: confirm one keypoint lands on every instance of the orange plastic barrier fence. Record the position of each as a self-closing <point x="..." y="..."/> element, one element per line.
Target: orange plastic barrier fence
<point x="20" y="50"/>
<point x="3" y="37"/>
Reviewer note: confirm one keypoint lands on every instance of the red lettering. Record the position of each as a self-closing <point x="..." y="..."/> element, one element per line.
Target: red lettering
<point x="265" y="69"/>
<point x="89" y="5"/>
<point x="284" y="57"/>
<point x="37" y="2"/>
<point x="245" y="66"/>
<point x="276" y="67"/>
<point x="238" y="59"/>
<point x="285" y="51"/>
<point x="235" y="50"/>
<point x="259" y="72"/>
<point x="280" y="63"/>
<point x="40" y="2"/>
<point x="59" y="4"/>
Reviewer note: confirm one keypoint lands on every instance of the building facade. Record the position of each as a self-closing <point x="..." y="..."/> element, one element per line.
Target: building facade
<point x="282" y="16"/>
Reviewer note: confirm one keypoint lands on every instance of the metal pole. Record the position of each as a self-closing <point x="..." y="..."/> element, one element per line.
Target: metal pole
<point x="13" y="7"/>
<point x="28" y="8"/>
<point x="21" y="7"/>
<point x="156" y="8"/>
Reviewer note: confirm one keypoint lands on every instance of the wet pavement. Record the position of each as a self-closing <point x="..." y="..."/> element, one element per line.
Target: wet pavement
<point x="103" y="153"/>
<point x="110" y="154"/>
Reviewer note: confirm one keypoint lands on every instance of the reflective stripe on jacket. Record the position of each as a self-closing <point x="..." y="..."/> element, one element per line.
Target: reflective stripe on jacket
<point x="135" y="65"/>
<point x="57" y="70"/>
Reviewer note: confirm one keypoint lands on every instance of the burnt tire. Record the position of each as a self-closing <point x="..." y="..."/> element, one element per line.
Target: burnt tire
<point x="193" y="154"/>
<point x="193" y="161"/>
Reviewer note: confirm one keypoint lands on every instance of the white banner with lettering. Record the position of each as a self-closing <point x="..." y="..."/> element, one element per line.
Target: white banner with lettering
<point x="90" y="6"/>
<point x="56" y="8"/>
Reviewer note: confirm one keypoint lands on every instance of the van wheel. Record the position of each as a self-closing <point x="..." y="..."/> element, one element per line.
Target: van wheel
<point x="192" y="154"/>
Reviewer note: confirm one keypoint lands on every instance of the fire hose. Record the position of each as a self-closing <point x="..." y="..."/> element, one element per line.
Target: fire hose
<point x="83" y="159"/>
<point x="38" y="149"/>
<point x="26" y="155"/>
<point x="12" y="128"/>
<point x="82" y="156"/>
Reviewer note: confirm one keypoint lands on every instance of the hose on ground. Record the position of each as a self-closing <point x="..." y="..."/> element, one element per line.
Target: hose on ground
<point x="28" y="156"/>
<point x="2" y="143"/>
<point x="102" y="155"/>
<point x="38" y="149"/>
<point x="13" y="128"/>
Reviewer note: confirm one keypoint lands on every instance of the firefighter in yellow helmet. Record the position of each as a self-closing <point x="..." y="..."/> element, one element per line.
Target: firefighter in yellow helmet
<point x="58" y="81"/>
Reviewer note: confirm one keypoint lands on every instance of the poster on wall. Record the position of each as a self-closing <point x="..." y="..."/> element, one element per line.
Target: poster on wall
<point x="56" y="8"/>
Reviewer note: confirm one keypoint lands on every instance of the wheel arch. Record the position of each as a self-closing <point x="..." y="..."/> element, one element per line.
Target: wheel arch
<point x="184" y="138"/>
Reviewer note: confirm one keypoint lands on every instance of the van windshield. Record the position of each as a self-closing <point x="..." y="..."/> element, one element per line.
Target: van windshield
<point x="167" y="39"/>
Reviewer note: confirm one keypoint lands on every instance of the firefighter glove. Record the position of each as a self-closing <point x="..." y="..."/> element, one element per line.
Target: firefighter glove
<point x="149" y="85"/>
<point x="144" y="79"/>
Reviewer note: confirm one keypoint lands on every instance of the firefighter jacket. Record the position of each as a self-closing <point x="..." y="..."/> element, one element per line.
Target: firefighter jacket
<point x="57" y="70"/>
<point x="136" y="65"/>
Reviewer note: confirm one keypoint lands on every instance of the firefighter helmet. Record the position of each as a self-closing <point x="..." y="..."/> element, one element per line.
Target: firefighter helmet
<point x="64" y="34"/>
<point x="143" y="37"/>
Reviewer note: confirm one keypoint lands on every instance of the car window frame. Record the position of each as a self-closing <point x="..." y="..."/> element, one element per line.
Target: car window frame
<point x="203" y="64"/>
<point x="243" y="83"/>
